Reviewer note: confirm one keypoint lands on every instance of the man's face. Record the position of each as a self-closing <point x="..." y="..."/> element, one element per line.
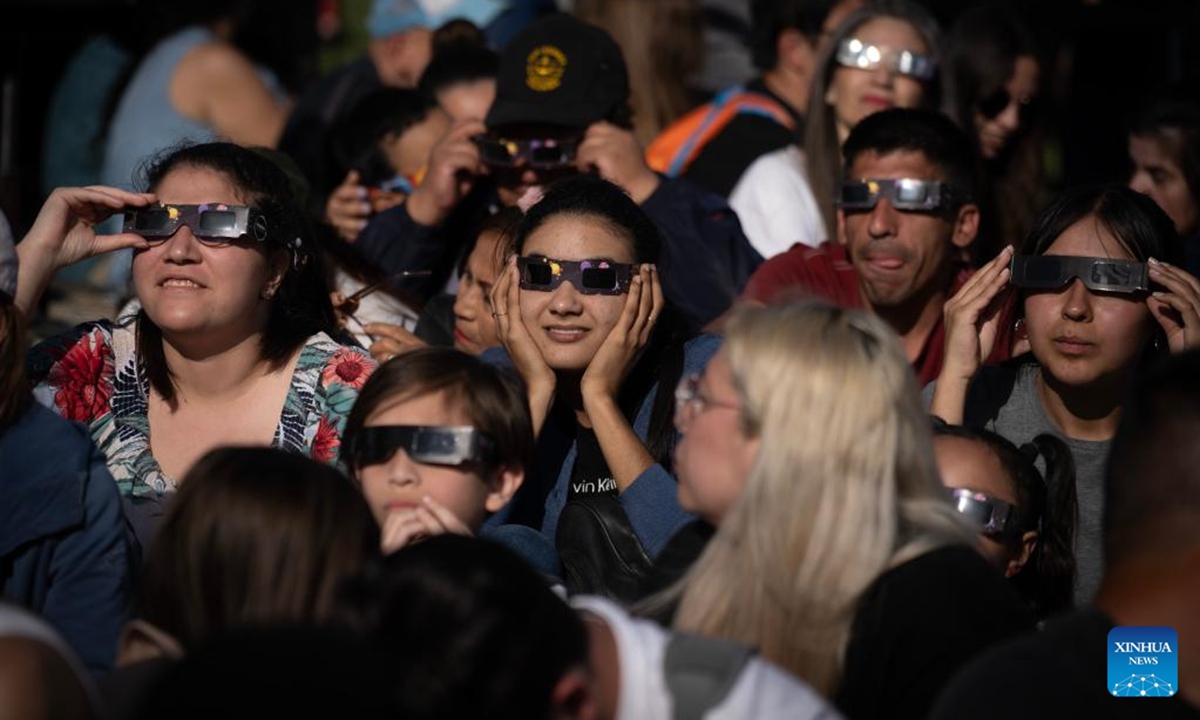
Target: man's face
<point x="899" y="255"/>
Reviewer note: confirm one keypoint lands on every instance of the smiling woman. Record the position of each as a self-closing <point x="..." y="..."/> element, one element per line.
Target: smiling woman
<point x="581" y="314"/>
<point x="232" y="344"/>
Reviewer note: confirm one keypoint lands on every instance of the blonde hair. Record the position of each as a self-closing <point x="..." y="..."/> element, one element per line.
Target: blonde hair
<point x="844" y="487"/>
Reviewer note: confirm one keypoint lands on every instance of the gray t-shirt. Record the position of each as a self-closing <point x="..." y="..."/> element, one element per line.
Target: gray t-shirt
<point x="1005" y="401"/>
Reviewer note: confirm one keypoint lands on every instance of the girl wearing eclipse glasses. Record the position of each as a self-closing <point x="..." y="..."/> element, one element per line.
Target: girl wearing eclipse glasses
<point x="581" y="314"/>
<point x="1100" y="292"/>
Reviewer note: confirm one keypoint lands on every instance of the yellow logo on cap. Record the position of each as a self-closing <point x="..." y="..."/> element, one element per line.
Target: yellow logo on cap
<point x="544" y="68"/>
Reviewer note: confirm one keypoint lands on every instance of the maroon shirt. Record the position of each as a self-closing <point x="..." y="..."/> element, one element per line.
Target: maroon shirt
<point x="826" y="272"/>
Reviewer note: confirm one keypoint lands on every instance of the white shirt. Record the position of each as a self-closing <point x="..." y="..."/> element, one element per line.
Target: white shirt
<point x="776" y="204"/>
<point x="761" y="691"/>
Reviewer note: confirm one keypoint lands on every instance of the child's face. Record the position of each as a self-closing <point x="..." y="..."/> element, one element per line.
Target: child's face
<point x="399" y="484"/>
<point x="408" y="152"/>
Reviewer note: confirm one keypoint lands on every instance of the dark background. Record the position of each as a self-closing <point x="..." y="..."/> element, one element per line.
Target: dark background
<point x="1101" y="58"/>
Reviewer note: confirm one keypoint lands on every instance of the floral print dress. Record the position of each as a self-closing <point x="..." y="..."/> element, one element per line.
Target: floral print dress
<point x="92" y="375"/>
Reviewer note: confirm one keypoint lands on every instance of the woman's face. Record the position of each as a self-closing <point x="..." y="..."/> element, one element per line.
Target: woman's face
<point x="855" y="93"/>
<point x="995" y="132"/>
<point x="1156" y="173"/>
<point x="190" y="289"/>
<point x="973" y="466"/>
<point x="399" y="484"/>
<point x="474" y="326"/>
<point x="1080" y="337"/>
<point x="567" y="326"/>
<point x="713" y="458"/>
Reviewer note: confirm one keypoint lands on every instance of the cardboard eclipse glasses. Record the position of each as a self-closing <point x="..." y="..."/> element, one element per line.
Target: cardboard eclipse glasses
<point x="211" y="223"/>
<point x="590" y="277"/>
<point x="1051" y="272"/>
<point x="430" y="444"/>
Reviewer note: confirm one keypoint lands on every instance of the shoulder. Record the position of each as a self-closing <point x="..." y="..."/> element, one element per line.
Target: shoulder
<point x="338" y="365"/>
<point x="823" y="271"/>
<point x="44" y="435"/>
<point x="213" y="61"/>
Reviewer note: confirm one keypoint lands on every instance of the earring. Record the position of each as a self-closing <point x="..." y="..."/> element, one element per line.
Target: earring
<point x="267" y="294"/>
<point x="1019" y="331"/>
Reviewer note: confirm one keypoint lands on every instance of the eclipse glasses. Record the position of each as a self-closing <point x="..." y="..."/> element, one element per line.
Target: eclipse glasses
<point x="993" y="517"/>
<point x="902" y="194"/>
<point x="1051" y="272"/>
<point x="854" y="53"/>
<point x="430" y="444"/>
<point x="590" y="277"/>
<point x="211" y="223"/>
<point x="537" y="153"/>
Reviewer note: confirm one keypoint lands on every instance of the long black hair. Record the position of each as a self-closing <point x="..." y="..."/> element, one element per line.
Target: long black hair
<point x="661" y="361"/>
<point x="301" y="307"/>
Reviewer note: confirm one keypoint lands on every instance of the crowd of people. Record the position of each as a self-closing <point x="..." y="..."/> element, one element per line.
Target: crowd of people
<point x="515" y="374"/>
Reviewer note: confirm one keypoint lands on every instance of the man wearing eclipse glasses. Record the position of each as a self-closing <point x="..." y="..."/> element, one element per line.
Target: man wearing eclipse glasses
<point x="906" y="215"/>
<point x="561" y="108"/>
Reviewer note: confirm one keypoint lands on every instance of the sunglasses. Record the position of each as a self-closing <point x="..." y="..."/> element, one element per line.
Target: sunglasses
<point x="902" y="194"/>
<point x="994" y="518"/>
<point x="590" y="277"/>
<point x="1051" y="272"/>
<point x="998" y="102"/>
<point x="854" y="53"/>
<point x="533" y="152"/>
<point x="213" y="224"/>
<point x="429" y="444"/>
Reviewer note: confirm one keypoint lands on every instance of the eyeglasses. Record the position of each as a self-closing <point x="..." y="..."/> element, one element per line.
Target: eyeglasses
<point x="590" y="277"/>
<point x="994" y="518"/>
<point x="213" y="224"/>
<point x="854" y="53"/>
<point x="902" y="194"/>
<point x="998" y="102"/>
<point x="430" y="444"/>
<point x="538" y="153"/>
<point x="1051" y="272"/>
<point x="689" y="401"/>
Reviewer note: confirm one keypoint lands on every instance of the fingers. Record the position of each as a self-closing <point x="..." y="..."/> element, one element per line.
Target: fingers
<point x="1175" y="279"/>
<point x="119" y="241"/>
<point x="393" y="332"/>
<point x="657" y="302"/>
<point x="401" y="529"/>
<point x="348" y="207"/>
<point x="983" y="287"/>
<point x="444" y="516"/>
<point x="643" y="323"/>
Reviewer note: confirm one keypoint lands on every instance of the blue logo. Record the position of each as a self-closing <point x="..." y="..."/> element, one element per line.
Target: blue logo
<point x="1142" y="662"/>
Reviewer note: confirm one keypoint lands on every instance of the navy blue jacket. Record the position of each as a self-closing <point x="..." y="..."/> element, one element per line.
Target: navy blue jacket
<point x="706" y="259"/>
<point x="64" y="549"/>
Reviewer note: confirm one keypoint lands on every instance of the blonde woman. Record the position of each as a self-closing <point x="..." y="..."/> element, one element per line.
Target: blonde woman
<point x="837" y="554"/>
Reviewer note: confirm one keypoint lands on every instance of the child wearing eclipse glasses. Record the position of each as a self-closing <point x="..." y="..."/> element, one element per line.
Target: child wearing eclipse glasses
<point x="438" y="441"/>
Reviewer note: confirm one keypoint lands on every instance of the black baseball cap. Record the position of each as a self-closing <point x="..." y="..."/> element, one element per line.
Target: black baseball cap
<point x="559" y="71"/>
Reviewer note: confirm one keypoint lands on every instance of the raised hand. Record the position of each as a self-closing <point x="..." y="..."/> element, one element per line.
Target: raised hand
<point x="390" y="341"/>
<point x="615" y="153"/>
<point x="65" y="233"/>
<point x="540" y="380"/>
<point x="348" y="208"/>
<point x="1177" y="309"/>
<point x="454" y="163"/>
<point x="625" y="342"/>
<point x="405" y="527"/>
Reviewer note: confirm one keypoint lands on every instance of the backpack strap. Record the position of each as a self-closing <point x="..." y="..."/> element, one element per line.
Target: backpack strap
<point x="674" y="150"/>
<point x="700" y="671"/>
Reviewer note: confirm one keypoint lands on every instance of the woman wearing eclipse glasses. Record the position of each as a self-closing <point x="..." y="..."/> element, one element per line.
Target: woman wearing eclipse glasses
<point x="233" y="342"/>
<point x="580" y="311"/>
<point x="993" y="76"/>
<point x="1100" y="292"/>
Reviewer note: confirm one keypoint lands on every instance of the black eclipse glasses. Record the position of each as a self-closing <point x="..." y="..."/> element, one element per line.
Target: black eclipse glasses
<point x="211" y="223"/>
<point x="590" y="277"/>
<point x="430" y="444"/>
<point x="1051" y="272"/>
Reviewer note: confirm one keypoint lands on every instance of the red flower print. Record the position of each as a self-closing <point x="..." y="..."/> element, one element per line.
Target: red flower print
<point x="82" y="379"/>
<point x="327" y="441"/>
<point x="347" y="367"/>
